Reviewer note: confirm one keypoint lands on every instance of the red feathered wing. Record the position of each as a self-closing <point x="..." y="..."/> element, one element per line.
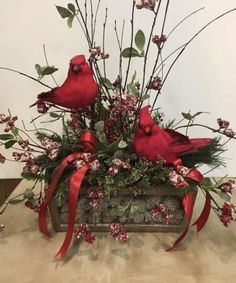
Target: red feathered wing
<point x="181" y="144"/>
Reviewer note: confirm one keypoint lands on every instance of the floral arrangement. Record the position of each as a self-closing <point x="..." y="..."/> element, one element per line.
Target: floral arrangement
<point x="113" y="135"/>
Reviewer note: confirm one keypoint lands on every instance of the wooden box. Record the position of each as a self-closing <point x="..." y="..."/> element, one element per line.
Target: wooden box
<point x="118" y="209"/>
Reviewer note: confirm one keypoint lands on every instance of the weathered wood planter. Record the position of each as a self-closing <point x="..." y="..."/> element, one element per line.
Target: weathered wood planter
<point x="114" y="210"/>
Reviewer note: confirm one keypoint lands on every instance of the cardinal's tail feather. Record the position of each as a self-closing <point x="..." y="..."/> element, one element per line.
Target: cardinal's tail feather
<point x="45" y="95"/>
<point x="181" y="149"/>
<point x="199" y="143"/>
<point x="192" y="146"/>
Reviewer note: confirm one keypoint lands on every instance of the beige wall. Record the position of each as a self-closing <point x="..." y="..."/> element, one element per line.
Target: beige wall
<point x="203" y="79"/>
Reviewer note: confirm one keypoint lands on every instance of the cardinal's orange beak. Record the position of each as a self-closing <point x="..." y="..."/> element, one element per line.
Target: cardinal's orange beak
<point x="148" y="130"/>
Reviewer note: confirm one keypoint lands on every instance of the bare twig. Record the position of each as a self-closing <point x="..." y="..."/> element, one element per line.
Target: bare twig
<point x="159" y="47"/>
<point x="25" y="75"/>
<point x="204" y="126"/>
<point x="184" y="19"/>
<point x="46" y="59"/>
<point x="185" y="45"/>
<point x="95" y="19"/>
<point x="148" y="44"/>
<point x="91" y="21"/>
<point x="103" y="43"/>
<point x="131" y="44"/>
<point x="85" y="24"/>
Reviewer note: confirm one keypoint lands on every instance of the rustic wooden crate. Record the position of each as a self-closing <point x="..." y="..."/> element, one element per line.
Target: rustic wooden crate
<point x="163" y="194"/>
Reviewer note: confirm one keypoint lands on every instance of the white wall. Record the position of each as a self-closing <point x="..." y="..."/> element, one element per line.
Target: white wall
<point x="202" y="80"/>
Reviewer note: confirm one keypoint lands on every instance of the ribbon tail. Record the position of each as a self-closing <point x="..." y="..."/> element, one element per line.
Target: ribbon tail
<point x="188" y="204"/>
<point x="74" y="189"/>
<point x="195" y="175"/>
<point x="42" y="220"/>
<point x="202" y="219"/>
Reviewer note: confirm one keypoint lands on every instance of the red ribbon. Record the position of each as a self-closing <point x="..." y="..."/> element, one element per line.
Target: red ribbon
<point x="202" y="219"/>
<point x="188" y="204"/>
<point x="88" y="140"/>
<point x="195" y="175"/>
<point x="74" y="189"/>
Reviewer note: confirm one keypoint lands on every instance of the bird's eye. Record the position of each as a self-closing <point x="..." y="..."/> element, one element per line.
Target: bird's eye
<point x="76" y="68"/>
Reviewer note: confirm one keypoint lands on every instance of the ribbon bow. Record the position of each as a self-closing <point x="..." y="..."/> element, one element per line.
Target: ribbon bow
<point x="188" y="204"/>
<point x="88" y="141"/>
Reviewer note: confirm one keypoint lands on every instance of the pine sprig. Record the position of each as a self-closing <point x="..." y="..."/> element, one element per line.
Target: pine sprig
<point x="209" y="155"/>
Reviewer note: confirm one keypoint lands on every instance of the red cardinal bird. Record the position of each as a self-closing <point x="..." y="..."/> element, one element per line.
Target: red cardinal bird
<point x="79" y="89"/>
<point x="151" y="142"/>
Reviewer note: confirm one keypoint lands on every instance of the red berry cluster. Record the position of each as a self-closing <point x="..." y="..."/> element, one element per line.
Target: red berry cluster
<point x="31" y="166"/>
<point x="224" y="128"/>
<point x="74" y="123"/>
<point x="121" y="116"/>
<point x="227" y="213"/>
<point x="95" y="198"/>
<point x="160" y="212"/>
<point x="9" y="121"/>
<point x="155" y="84"/>
<point x="146" y="4"/>
<point x="118" y="232"/>
<point x="96" y="52"/>
<point x="118" y="163"/>
<point x="32" y="205"/>
<point x="227" y="187"/>
<point x="84" y="231"/>
<point x="2" y="158"/>
<point x="23" y="143"/>
<point x="158" y="40"/>
<point x="42" y="108"/>
<point x="177" y="180"/>
<point x="52" y="147"/>
<point x="22" y="156"/>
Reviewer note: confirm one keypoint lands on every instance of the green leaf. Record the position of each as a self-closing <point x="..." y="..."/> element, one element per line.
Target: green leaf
<point x="48" y="70"/>
<point x="65" y="13"/>
<point x="141" y="54"/>
<point x="118" y="154"/>
<point x="124" y="208"/>
<point x="70" y="20"/>
<point x="38" y="69"/>
<point x="54" y="115"/>
<point x="10" y="143"/>
<point x="133" y="78"/>
<point x="140" y="40"/>
<point x="101" y="136"/>
<point x="130" y="52"/>
<point x="28" y="194"/>
<point x="133" y="90"/>
<point x="71" y="7"/>
<point x="224" y="196"/>
<point x="107" y="83"/>
<point x="15" y="200"/>
<point x="134" y="208"/>
<point x="112" y="147"/>
<point x="6" y="137"/>
<point x="122" y="144"/>
<point x="199" y="113"/>
<point x="146" y="96"/>
<point x="206" y="182"/>
<point x="187" y="116"/>
<point x="99" y="126"/>
<point x="15" y="132"/>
